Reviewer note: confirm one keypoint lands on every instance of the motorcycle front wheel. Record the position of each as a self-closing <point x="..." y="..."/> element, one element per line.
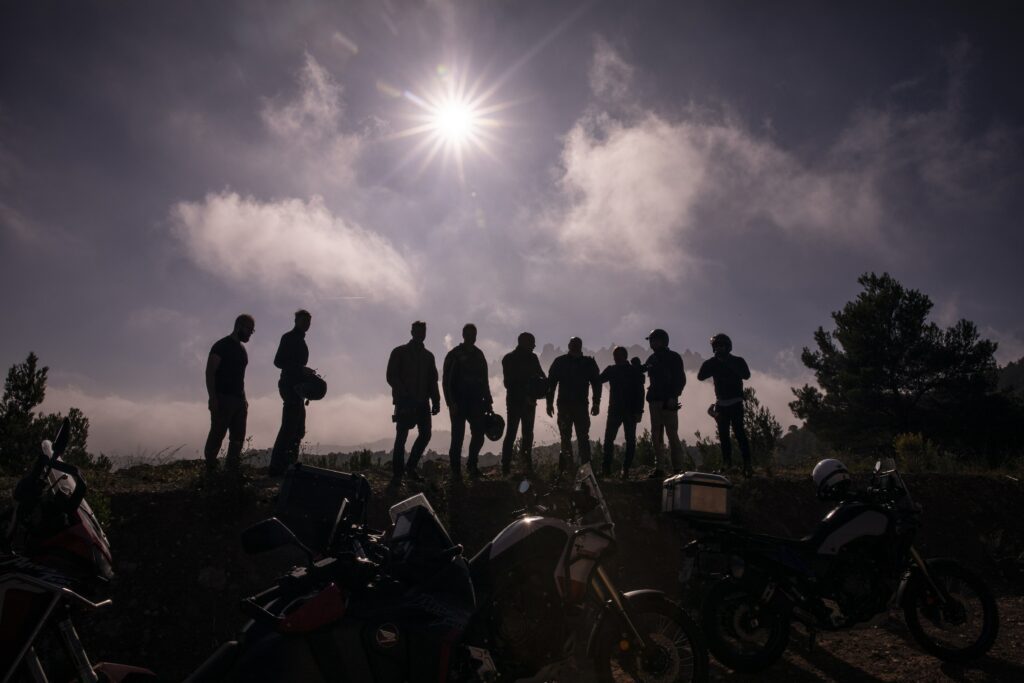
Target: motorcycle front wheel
<point x="740" y="633"/>
<point x="960" y="628"/>
<point x="675" y="651"/>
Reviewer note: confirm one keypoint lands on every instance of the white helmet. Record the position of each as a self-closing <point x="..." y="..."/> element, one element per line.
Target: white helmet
<point x="831" y="479"/>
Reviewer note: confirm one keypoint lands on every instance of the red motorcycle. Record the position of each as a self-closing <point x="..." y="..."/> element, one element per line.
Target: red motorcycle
<point x="53" y="554"/>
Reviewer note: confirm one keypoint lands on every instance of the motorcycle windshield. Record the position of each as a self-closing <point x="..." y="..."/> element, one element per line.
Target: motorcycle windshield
<point x="586" y="483"/>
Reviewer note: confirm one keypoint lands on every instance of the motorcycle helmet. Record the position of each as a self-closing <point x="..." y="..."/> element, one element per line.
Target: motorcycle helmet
<point x="494" y="426"/>
<point x="831" y="479"/>
<point x="537" y="387"/>
<point x="721" y="339"/>
<point x="312" y="387"/>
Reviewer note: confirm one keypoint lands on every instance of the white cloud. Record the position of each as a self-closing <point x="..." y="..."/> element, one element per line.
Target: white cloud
<point x="637" y="186"/>
<point x="315" y="112"/>
<point x="292" y="244"/>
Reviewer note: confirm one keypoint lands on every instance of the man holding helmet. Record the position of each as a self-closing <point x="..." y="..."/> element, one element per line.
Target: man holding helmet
<point x="667" y="379"/>
<point x="412" y="376"/>
<point x="524" y="384"/>
<point x="291" y="358"/>
<point x="467" y="394"/>
<point x="728" y="372"/>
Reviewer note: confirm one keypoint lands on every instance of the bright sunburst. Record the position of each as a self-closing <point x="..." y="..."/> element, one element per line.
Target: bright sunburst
<point x="453" y="119"/>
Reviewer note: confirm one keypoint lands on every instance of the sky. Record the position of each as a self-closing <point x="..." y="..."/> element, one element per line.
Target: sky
<point x="694" y="166"/>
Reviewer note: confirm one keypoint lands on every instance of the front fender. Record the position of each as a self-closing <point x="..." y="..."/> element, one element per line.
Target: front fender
<point x="635" y="601"/>
<point x="916" y="573"/>
<point x="122" y="673"/>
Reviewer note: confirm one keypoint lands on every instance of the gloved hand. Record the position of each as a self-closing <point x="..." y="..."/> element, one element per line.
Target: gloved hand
<point x="435" y="407"/>
<point x="551" y="410"/>
<point x="596" y="408"/>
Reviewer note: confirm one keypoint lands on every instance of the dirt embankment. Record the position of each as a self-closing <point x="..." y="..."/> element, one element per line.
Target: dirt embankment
<point x="181" y="570"/>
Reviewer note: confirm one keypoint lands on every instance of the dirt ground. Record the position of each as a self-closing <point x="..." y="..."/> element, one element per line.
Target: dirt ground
<point x="181" y="570"/>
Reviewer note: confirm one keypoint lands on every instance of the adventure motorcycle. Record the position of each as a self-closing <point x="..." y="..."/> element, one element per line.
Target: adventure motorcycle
<point x="857" y="565"/>
<point x="53" y="553"/>
<point x="534" y="605"/>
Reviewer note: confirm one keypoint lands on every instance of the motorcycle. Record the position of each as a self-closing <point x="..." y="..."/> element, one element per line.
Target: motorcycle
<point x="859" y="564"/>
<point x="53" y="555"/>
<point x="533" y="605"/>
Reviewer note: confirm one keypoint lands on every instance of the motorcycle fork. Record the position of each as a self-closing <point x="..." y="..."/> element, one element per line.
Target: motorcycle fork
<point x="606" y="590"/>
<point x="923" y="566"/>
<point x="77" y="652"/>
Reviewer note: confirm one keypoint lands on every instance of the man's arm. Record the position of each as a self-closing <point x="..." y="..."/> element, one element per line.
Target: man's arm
<point x="742" y="368"/>
<point x="393" y="372"/>
<point x="606" y="375"/>
<point x="595" y="381"/>
<point x="681" y="375"/>
<point x="435" y="396"/>
<point x="212" y="363"/>
<point x="446" y="377"/>
<point x="507" y="369"/>
<point x="283" y="355"/>
<point x="705" y="370"/>
<point x="553" y="379"/>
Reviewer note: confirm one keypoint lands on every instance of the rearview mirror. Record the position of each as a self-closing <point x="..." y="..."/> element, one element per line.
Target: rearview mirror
<point x="60" y="442"/>
<point x="269" y="534"/>
<point x="524" y="486"/>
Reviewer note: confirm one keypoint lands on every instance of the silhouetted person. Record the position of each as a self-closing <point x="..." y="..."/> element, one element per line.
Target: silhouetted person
<point x="728" y="372"/>
<point x="412" y="375"/>
<point x="467" y="394"/>
<point x="625" y="407"/>
<point x="667" y="379"/>
<point x="523" y="374"/>
<point x="571" y="375"/>
<point x="225" y="385"/>
<point x="291" y="358"/>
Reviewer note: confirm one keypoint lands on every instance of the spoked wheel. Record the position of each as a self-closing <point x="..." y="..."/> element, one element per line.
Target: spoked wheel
<point x="958" y="626"/>
<point x="741" y="634"/>
<point x="675" y="651"/>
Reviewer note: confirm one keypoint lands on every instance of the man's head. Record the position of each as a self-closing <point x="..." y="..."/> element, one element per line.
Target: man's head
<point x="527" y="341"/>
<point x="721" y="344"/>
<point x="245" y="325"/>
<point x="303" y="319"/>
<point x="575" y="346"/>
<point x="469" y="333"/>
<point x="620" y="355"/>
<point x="419" y="331"/>
<point x="658" y="339"/>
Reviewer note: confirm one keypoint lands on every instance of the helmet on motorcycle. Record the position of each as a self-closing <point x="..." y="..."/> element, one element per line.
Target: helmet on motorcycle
<point x="831" y="479"/>
<point x="494" y="426"/>
<point x="722" y="340"/>
<point x="312" y="387"/>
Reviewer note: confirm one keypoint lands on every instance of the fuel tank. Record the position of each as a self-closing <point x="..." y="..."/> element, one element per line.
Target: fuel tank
<point x="847" y="523"/>
<point x="527" y="539"/>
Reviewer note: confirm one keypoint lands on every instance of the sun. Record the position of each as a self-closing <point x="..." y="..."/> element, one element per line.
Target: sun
<point x="456" y="122"/>
<point x="453" y="120"/>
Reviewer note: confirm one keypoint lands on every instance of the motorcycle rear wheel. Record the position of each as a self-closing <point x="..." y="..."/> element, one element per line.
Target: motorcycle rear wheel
<point x="960" y="631"/>
<point x="740" y="633"/>
<point x="676" y="650"/>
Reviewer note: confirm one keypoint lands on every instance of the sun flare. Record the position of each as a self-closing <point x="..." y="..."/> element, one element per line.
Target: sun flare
<point x="453" y="120"/>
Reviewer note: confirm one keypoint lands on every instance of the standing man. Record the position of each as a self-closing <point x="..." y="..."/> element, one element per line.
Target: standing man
<point x="225" y="385"/>
<point x="728" y="372"/>
<point x="571" y="375"/>
<point x="667" y="379"/>
<point x="291" y="358"/>
<point x="467" y="394"/>
<point x="412" y="375"/>
<point x="625" y="407"/>
<point x="523" y="374"/>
